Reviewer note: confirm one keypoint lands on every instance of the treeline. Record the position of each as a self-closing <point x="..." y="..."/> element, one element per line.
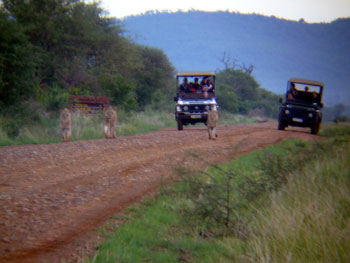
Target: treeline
<point x="239" y="92"/>
<point x="53" y="48"/>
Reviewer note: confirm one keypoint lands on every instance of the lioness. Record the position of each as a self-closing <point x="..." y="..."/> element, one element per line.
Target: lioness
<point x="110" y="122"/>
<point x="66" y="124"/>
<point x="212" y="122"/>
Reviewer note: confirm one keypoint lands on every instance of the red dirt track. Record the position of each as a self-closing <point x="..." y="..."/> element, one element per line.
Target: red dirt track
<point x="53" y="196"/>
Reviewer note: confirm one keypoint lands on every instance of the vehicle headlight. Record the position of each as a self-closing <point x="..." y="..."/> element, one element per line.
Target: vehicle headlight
<point x="310" y="115"/>
<point x="185" y="108"/>
<point x="178" y="108"/>
<point x="207" y="107"/>
<point x="287" y="112"/>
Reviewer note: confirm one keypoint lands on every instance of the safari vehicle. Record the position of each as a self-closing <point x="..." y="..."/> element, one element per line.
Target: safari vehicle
<point x="195" y="93"/>
<point x="302" y="106"/>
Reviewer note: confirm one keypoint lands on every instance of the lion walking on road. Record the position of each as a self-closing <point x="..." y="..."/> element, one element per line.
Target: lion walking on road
<point x="212" y="122"/>
<point x="110" y="122"/>
<point x="66" y="125"/>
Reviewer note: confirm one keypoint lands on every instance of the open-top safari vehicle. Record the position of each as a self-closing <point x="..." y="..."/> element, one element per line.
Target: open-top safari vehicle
<point x="302" y="105"/>
<point x="195" y="93"/>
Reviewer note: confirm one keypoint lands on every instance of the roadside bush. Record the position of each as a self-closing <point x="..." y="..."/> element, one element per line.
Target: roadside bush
<point x="121" y="93"/>
<point x="341" y="130"/>
<point x="56" y="98"/>
<point x="11" y="128"/>
<point x="220" y="198"/>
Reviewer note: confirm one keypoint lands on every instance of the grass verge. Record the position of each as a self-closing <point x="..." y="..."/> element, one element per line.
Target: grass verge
<point x="287" y="203"/>
<point x="87" y="127"/>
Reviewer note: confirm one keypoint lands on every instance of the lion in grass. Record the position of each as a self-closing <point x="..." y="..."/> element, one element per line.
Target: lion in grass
<point x="66" y="124"/>
<point x="110" y="122"/>
<point x="212" y="122"/>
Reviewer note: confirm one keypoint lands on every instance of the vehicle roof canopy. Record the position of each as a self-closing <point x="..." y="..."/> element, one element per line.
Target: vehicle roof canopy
<point x="305" y="81"/>
<point x="195" y="74"/>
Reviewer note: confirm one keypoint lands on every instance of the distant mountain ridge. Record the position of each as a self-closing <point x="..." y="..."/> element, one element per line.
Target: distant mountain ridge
<point x="278" y="48"/>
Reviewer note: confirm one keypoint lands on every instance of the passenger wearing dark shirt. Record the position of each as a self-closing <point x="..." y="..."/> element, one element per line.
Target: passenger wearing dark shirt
<point x="196" y="85"/>
<point x="185" y="87"/>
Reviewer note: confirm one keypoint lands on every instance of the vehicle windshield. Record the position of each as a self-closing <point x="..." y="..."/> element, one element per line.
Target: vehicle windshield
<point x="305" y="93"/>
<point x="196" y="87"/>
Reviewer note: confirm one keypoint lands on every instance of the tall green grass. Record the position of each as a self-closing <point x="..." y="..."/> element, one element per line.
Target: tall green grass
<point x="85" y="127"/>
<point x="308" y="220"/>
<point x="230" y="118"/>
<point x="47" y="131"/>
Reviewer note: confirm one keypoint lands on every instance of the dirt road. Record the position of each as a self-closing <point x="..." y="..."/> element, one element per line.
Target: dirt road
<point x="53" y="196"/>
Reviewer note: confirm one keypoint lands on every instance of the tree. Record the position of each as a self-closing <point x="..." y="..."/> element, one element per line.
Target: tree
<point x="239" y="92"/>
<point x="17" y="63"/>
<point x="81" y="51"/>
<point x="227" y="98"/>
<point x="233" y="64"/>
<point x="120" y="92"/>
<point x="71" y="38"/>
<point x="243" y="85"/>
<point x="155" y="74"/>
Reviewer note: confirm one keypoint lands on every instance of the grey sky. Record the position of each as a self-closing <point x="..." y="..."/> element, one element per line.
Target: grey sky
<point x="310" y="10"/>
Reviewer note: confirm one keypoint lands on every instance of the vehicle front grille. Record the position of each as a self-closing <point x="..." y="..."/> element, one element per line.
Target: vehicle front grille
<point x="196" y="108"/>
<point x="299" y="112"/>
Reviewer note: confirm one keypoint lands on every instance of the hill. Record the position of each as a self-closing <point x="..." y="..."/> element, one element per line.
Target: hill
<point x="278" y="48"/>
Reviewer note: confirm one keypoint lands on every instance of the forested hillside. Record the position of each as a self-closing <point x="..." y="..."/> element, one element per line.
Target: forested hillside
<point x="277" y="48"/>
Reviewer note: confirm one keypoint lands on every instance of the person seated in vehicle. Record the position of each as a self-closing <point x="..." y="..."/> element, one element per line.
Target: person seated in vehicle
<point x="185" y="86"/>
<point x="191" y="88"/>
<point x="293" y="93"/>
<point x="205" y="88"/>
<point x="196" y="85"/>
<point x="308" y="96"/>
<point x="211" y="86"/>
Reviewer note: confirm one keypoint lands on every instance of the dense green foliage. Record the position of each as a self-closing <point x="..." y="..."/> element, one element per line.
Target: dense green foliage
<point x="50" y="49"/>
<point x="16" y="63"/>
<point x="278" y="48"/>
<point x="238" y="92"/>
<point x="289" y="202"/>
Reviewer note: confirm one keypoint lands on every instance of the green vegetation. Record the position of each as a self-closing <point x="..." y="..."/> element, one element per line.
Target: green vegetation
<point x="46" y="128"/>
<point x="238" y="92"/>
<point x="84" y="127"/>
<point x="53" y="49"/>
<point x="286" y="203"/>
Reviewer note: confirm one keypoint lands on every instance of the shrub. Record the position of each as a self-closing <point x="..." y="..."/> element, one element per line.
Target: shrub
<point x="11" y="128"/>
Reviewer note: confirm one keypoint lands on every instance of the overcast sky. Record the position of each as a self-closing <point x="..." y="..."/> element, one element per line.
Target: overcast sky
<point x="311" y="10"/>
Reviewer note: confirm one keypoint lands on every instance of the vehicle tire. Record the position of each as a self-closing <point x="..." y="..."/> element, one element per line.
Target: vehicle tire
<point x="281" y="125"/>
<point x="180" y="126"/>
<point x="315" y="128"/>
